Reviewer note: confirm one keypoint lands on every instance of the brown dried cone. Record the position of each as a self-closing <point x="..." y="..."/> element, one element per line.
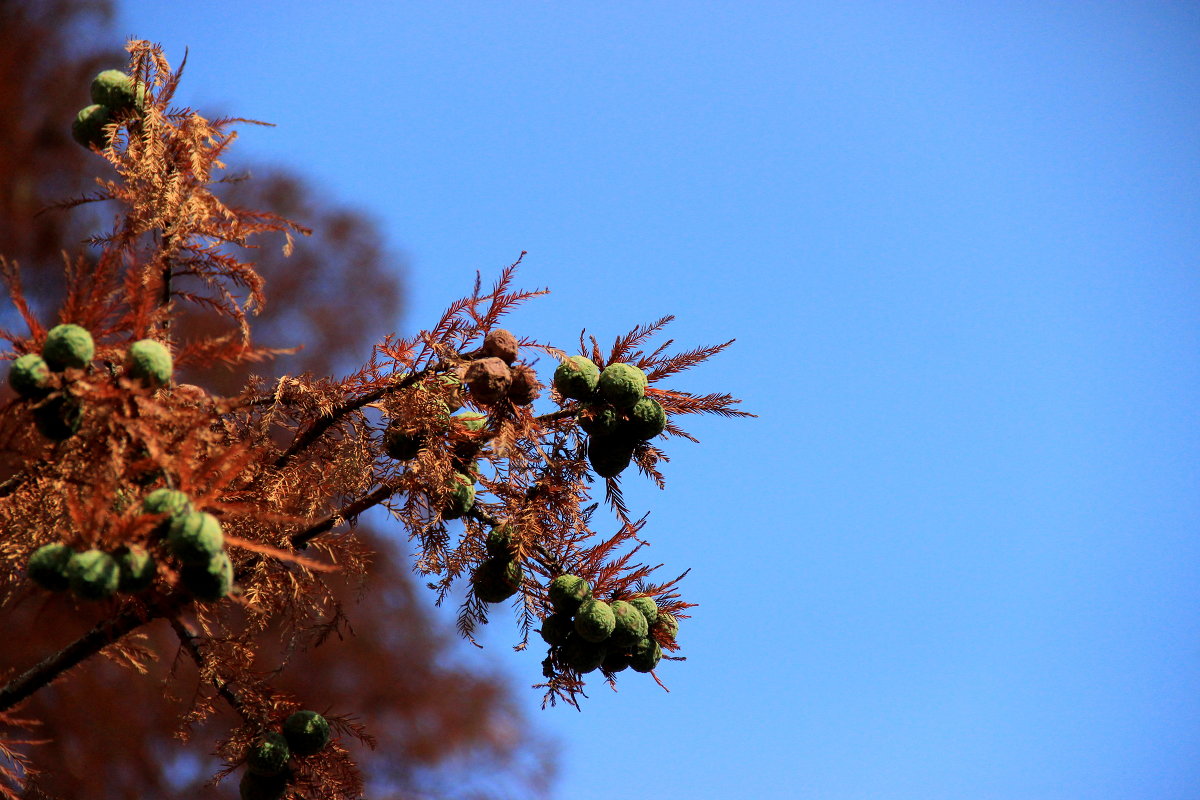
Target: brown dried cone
<point x="488" y="379"/>
<point x="525" y="386"/>
<point x="501" y="344"/>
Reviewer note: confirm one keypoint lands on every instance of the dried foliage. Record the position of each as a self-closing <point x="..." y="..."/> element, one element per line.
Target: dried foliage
<point x="288" y="466"/>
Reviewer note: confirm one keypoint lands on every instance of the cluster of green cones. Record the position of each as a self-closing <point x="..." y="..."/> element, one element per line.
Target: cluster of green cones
<point x="57" y="414"/>
<point x="614" y="410"/>
<point x="193" y="538"/>
<point x="586" y="633"/>
<point x="304" y="733"/>
<point x="113" y="94"/>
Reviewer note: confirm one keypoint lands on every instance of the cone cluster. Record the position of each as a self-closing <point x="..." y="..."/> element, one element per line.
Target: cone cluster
<point x="494" y="375"/>
<point x="56" y="414"/>
<point x="614" y="410"/>
<point x="113" y="93"/>
<point x="192" y="538"/>
<point x="585" y="633"/>
<point x="268" y="773"/>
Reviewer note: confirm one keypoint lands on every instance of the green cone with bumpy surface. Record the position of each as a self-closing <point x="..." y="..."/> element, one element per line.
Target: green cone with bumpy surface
<point x="609" y="455"/>
<point x="581" y="655"/>
<point x="401" y="442"/>
<point x="68" y="345"/>
<point x="136" y="566"/>
<point x="567" y="592"/>
<point x="497" y="579"/>
<point x="598" y="419"/>
<point x="29" y="376"/>
<point x="114" y="89"/>
<point x="195" y="537"/>
<point x="307" y="732"/>
<point x="622" y="384"/>
<point x="461" y="498"/>
<point x="150" y="362"/>
<point x="577" y="377"/>
<point x="48" y="566"/>
<point x="648" y="608"/>
<point x="646" y="419"/>
<point x="630" y="624"/>
<point x="210" y="580"/>
<point x="594" y="620"/>
<point x="58" y="418"/>
<point x="93" y="574"/>
<point x="269" y="756"/>
<point x="556" y="628"/>
<point x="262" y="787"/>
<point x="166" y="501"/>
<point x="500" y="541"/>
<point x="667" y="625"/>
<point x="645" y="655"/>
<point x="88" y="127"/>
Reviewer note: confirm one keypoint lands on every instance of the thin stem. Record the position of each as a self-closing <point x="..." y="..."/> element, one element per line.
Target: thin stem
<point x="188" y="638"/>
<point x="300" y="539"/>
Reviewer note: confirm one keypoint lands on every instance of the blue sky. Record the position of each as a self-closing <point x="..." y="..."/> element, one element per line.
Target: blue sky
<point x="956" y="555"/>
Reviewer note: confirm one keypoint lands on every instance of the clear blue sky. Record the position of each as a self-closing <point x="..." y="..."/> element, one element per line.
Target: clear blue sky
<point x="957" y="555"/>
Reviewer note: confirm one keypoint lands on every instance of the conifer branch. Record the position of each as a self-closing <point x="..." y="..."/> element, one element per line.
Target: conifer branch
<point x="102" y="635"/>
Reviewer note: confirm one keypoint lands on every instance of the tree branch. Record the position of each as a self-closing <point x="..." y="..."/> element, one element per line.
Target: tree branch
<point x="102" y="635"/>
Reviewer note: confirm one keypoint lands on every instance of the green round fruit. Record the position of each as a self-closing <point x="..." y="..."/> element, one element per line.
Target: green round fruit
<point x="401" y="442"/>
<point x="648" y="608"/>
<point x="622" y="385"/>
<point x="461" y="498"/>
<point x="667" y="625"/>
<point x="497" y="579"/>
<point x="262" y="787"/>
<point x="137" y="568"/>
<point x="210" y="580"/>
<point x="269" y="756"/>
<point x="581" y="655"/>
<point x="58" y="418"/>
<point x="307" y="732"/>
<point x="630" y="624"/>
<point x="166" y="501"/>
<point x="88" y="127"/>
<point x="594" y="620"/>
<point x="645" y="655"/>
<point x="576" y="378"/>
<point x="609" y="455"/>
<point x="195" y="537"/>
<point x="598" y="419"/>
<point x="115" y="89"/>
<point x="47" y="566"/>
<point x="500" y="541"/>
<point x="93" y="574"/>
<point x="567" y="592"/>
<point x="556" y="629"/>
<point x="68" y="345"/>
<point x="150" y="362"/>
<point x="29" y="376"/>
<point x="647" y="419"/>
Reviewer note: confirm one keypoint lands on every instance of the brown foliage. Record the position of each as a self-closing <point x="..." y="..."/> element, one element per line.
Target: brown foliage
<point x="288" y="466"/>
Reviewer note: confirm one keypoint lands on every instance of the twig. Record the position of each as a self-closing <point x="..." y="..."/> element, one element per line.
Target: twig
<point x="187" y="637"/>
<point x="300" y="539"/>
